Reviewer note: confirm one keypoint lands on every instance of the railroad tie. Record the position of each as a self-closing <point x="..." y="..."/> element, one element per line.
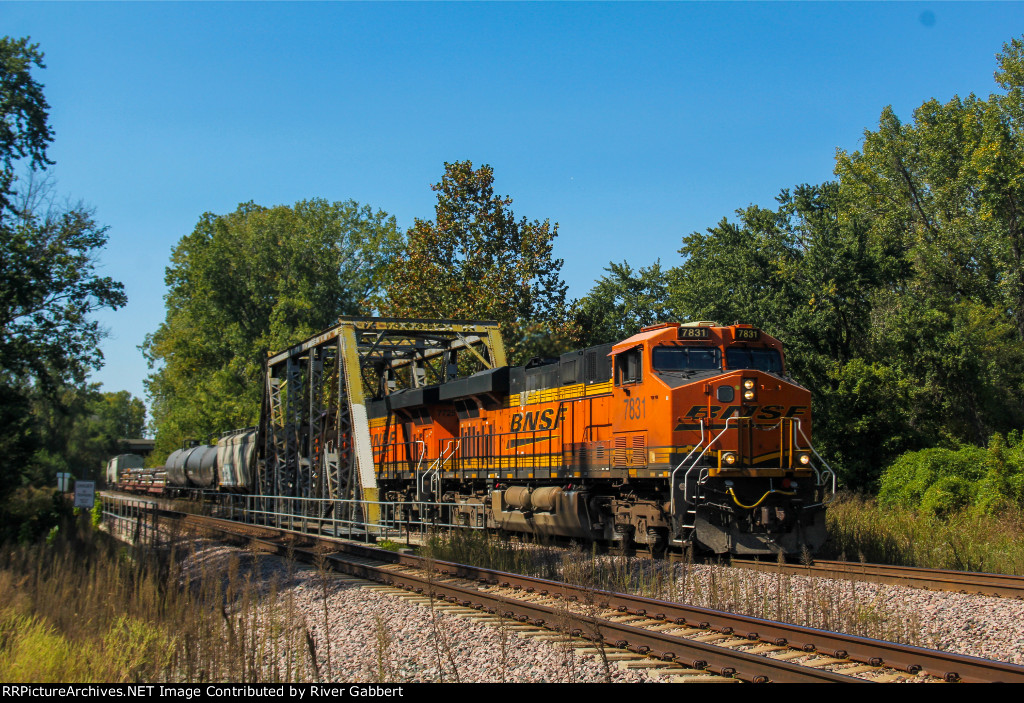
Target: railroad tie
<point x="706" y="678"/>
<point x="764" y="648"/>
<point x="827" y="661"/>
<point x="858" y="669"/>
<point x="542" y="635"/>
<point x="626" y="665"/>
<point x="891" y="678"/>
<point x="715" y="637"/>
<point x="679" y="672"/>
<point x="610" y="653"/>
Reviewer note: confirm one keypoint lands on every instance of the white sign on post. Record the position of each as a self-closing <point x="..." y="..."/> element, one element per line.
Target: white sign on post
<point x="85" y="494"/>
<point x="63" y="479"/>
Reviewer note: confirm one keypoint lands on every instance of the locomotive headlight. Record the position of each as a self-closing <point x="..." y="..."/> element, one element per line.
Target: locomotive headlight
<point x="749" y="390"/>
<point x="804" y="458"/>
<point x="729" y="458"/>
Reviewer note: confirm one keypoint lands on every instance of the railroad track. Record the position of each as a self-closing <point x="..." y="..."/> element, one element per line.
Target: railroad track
<point x="691" y="639"/>
<point x="1001" y="585"/>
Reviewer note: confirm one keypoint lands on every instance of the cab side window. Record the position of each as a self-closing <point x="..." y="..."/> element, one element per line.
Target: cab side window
<point x="628" y="366"/>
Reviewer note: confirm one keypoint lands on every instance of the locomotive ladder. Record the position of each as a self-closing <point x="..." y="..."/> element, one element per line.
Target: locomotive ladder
<point x="690" y="503"/>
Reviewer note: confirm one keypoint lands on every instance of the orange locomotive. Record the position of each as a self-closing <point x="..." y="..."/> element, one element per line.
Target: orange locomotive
<point x="679" y="435"/>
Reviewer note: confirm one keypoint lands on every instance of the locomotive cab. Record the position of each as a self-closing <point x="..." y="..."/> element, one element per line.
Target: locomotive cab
<point x="713" y="407"/>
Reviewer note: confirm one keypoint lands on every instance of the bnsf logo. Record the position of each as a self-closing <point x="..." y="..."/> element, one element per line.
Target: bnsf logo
<point x="767" y="412"/>
<point x="536" y="420"/>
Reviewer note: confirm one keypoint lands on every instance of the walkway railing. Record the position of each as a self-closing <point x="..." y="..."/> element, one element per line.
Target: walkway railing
<point x="136" y="519"/>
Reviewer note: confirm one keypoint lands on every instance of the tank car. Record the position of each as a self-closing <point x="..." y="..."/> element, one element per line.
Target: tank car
<point x="683" y="434"/>
<point x="225" y="466"/>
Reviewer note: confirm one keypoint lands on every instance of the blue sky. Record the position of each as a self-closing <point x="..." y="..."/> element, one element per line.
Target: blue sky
<point x="629" y="124"/>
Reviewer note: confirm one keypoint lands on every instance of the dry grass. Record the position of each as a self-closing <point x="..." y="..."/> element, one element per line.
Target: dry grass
<point x="86" y="608"/>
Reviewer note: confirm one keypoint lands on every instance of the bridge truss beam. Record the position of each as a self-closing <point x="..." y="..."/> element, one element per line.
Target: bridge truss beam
<point x="315" y="432"/>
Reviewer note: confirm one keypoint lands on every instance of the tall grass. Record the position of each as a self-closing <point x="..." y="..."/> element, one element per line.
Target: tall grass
<point x="861" y="529"/>
<point x="86" y="608"/>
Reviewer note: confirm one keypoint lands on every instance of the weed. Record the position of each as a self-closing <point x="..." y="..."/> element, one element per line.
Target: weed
<point x="385" y="672"/>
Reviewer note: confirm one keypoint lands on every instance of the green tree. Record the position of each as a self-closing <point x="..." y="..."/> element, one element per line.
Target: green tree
<point x="623" y="301"/>
<point x="48" y="280"/>
<point x="899" y="289"/>
<point x="25" y="131"/>
<point x="807" y="273"/>
<point x="49" y="286"/>
<point x="802" y="272"/>
<point x="947" y="188"/>
<point x="476" y="261"/>
<point x="79" y="429"/>
<point x="253" y="281"/>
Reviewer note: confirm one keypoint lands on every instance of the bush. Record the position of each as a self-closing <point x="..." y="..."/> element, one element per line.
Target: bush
<point x="940" y="481"/>
<point x="30" y="514"/>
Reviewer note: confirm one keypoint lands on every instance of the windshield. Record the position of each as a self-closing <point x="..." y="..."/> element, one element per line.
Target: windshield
<point x="686" y="358"/>
<point x="760" y="359"/>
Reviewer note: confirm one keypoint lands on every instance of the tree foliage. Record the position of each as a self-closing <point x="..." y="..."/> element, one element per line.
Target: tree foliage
<point x="805" y="274"/>
<point x="623" y="301"/>
<point x="49" y="283"/>
<point x="48" y="279"/>
<point x="946" y="188"/>
<point x="253" y="281"/>
<point x="475" y="260"/>
<point x="48" y="288"/>
<point x="25" y="131"/>
<point x="79" y="429"/>
<point x="941" y="481"/>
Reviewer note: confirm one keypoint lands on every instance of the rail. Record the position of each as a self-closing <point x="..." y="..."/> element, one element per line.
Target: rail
<point x="1001" y="585"/>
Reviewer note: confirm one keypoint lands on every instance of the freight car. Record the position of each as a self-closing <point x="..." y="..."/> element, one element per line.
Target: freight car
<point x="227" y="466"/>
<point x="683" y="434"/>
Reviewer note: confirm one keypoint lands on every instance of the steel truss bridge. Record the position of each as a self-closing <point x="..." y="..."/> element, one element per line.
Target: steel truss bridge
<point x="314" y="429"/>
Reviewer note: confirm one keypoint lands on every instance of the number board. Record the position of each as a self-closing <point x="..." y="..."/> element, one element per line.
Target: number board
<point x="694" y="333"/>
<point x="745" y="334"/>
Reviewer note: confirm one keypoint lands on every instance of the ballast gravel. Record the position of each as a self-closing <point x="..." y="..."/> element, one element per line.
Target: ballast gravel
<point x="375" y="636"/>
